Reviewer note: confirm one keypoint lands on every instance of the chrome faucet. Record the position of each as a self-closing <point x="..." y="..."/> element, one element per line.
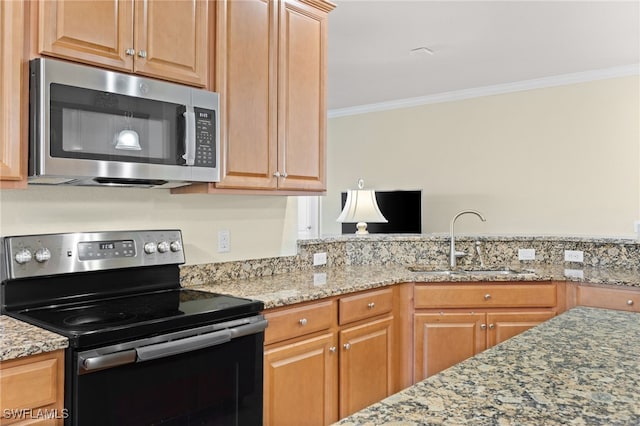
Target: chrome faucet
<point x="453" y="254"/>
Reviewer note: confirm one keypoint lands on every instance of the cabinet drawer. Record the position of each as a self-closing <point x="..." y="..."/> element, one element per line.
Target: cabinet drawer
<point x="365" y="305"/>
<point x="294" y="322"/>
<point x="486" y="296"/>
<point x="610" y="298"/>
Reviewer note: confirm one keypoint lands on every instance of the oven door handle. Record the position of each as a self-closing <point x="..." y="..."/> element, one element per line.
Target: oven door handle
<point x="162" y="350"/>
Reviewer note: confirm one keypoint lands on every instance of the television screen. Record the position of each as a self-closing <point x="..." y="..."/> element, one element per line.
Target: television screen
<point x="403" y="210"/>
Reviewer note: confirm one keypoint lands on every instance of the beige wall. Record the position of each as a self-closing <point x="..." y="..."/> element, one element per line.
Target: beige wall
<point x="562" y="160"/>
<point x="259" y="226"/>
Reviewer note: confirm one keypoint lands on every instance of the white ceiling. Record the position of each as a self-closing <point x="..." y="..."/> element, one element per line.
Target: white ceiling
<point x="475" y="43"/>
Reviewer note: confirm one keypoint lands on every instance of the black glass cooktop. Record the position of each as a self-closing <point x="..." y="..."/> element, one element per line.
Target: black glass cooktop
<point x="129" y="317"/>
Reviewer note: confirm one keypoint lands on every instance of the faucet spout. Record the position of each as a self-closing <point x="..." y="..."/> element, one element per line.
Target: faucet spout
<point x="453" y="254"/>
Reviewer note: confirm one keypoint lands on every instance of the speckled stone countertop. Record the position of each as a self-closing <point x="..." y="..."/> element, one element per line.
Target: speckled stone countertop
<point x="295" y="287"/>
<point x="580" y="368"/>
<point x="18" y="339"/>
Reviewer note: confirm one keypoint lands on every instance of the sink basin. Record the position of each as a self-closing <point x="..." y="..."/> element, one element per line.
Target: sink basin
<point x="430" y="270"/>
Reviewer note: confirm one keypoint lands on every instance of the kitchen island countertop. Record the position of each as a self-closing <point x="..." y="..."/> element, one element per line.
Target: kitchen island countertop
<point x="580" y="368"/>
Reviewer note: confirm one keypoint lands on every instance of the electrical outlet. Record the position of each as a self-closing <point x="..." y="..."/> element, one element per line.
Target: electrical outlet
<point x="319" y="259"/>
<point x="224" y="241"/>
<point x="574" y="256"/>
<point x="526" y="254"/>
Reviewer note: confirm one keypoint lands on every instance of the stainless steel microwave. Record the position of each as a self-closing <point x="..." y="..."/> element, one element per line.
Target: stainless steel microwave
<point x="90" y="126"/>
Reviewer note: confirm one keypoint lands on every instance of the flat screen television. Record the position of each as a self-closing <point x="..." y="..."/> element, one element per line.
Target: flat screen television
<point x="403" y="210"/>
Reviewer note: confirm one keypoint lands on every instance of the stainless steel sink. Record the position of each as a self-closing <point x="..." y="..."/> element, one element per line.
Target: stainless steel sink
<point x="430" y="270"/>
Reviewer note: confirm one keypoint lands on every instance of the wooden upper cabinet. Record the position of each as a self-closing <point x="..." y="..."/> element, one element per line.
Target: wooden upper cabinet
<point x="270" y="72"/>
<point x="13" y="96"/>
<point x="246" y="61"/>
<point x="163" y="39"/>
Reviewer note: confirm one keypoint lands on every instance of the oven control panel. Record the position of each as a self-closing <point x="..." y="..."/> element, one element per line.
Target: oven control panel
<point x="50" y="254"/>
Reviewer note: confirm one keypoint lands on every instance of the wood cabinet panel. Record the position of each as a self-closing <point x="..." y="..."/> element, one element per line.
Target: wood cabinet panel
<point x="299" y="321"/>
<point x="609" y="298"/>
<point x="93" y="32"/>
<point x="171" y="40"/>
<point x="445" y="339"/>
<point x="486" y="296"/>
<point x="365" y="305"/>
<point x="300" y="383"/>
<point x="365" y="365"/>
<point x="13" y="96"/>
<point x="505" y="325"/>
<point x="35" y="382"/>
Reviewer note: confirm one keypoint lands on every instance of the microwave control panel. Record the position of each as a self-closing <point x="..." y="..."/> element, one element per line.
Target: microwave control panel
<point x="205" y="137"/>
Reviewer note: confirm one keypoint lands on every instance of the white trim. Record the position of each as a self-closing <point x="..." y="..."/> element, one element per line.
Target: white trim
<point x="498" y="89"/>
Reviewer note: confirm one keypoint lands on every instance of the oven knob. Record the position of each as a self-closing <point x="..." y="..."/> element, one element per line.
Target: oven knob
<point x="163" y="246"/>
<point x="23" y="256"/>
<point x="42" y="255"/>
<point x="150" y="248"/>
<point x="176" y="246"/>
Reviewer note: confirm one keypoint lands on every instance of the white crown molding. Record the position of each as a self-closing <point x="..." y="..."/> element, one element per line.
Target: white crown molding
<point x="498" y="89"/>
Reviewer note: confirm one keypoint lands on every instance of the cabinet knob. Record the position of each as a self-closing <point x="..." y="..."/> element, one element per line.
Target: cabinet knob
<point x="130" y="51"/>
<point x="142" y="54"/>
<point x="276" y="174"/>
<point x="491" y="326"/>
<point x="332" y="349"/>
<point x="347" y="346"/>
<point x="371" y="305"/>
<point x="487" y="296"/>
<point x="284" y="175"/>
<point x="630" y="302"/>
<point x="483" y="326"/>
<point x="303" y="321"/>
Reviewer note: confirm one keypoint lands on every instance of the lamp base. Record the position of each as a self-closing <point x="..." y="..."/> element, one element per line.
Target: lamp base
<point x="362" y="228"/>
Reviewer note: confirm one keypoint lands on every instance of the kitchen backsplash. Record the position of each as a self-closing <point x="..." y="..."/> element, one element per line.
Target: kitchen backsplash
<point x="425" y="250"/>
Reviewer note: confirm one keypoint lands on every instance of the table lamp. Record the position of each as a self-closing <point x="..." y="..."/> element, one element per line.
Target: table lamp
<point x="361" y="207"/>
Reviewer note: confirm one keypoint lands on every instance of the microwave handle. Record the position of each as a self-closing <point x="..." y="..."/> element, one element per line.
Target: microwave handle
<point x="189" y="137"/>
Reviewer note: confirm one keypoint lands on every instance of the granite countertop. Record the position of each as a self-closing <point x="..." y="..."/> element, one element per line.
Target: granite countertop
<point x="18" y="339"/>
<point x="579" y="368"/>
<point x="295" y="287"/>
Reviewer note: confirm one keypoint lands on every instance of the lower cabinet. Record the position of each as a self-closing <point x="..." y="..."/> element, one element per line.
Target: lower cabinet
<point x="31" y="390"/>
<point x="475" y="317"/>
<point x="328" y="359"/>
<point x="627" y="299"/>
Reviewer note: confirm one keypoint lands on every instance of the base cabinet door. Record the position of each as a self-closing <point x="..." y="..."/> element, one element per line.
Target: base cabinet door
<point x="505" y="325"/>
<point x="365" y="365"/>
<point x="300" y="382"/>
<point x="445" y="339"/>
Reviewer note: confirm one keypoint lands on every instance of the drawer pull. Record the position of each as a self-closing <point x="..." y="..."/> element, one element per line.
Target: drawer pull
<point x="332" y="349"/>
<point x="303" y="322"/>
<point x="487" y="296"/>
<point x="347" y="346"/>
<point x="483" y="326"/>
<point x="630" y="302"/>
<point x="371" y="305"/>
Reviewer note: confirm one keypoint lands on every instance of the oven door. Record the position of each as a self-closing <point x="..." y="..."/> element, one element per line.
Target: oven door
<point x="208" y="378"/>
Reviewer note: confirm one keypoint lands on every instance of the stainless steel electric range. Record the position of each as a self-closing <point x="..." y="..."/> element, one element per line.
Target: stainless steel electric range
<point x="142" y="350"/>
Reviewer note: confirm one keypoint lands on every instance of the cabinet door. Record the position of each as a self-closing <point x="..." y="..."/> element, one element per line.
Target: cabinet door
<point x="505" y="325"/>
<point x="444" y="339"/>
<point x="301" y="96"/>
<point x="300" y="382"/>
<point x="365" y="365"/>
<point x="12" y="110"/>
<point x="171" y="40"/>
<point x="246" y="67"/>
<point x="94" y="32"/>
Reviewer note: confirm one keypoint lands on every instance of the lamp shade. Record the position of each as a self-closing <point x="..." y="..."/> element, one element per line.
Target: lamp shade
<point x="361" y="207"/>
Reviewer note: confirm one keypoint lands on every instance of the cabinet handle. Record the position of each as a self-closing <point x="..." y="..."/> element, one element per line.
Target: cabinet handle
<point x="142" y="53"/>
<point x="491" y="326"/>
<point x="303" y="321"/>
<point x="332" y="349"/>
<point x="630" y="302"/>
<point x="371" y="305"/>
<point x="130" y="51"/>
<point x="347" y="346"/>
<point x="276" y="174"/>
<point x="483" y="326"/>
<point x="487" y="296"/>
<point x="284" y="175"/>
